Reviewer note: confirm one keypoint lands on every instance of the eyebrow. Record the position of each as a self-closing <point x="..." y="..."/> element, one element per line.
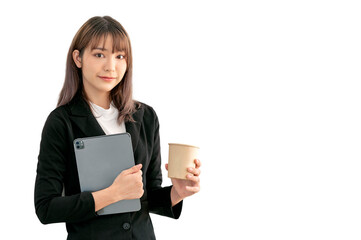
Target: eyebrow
<point x="104" y="49"/>
<point x="99" y="48"/>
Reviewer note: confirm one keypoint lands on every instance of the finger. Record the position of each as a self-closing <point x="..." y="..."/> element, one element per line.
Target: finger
<point x="136" y="176"/>
<point x="166" y="166"/>
<point x="195" y="171"/>
<point x="198" y="163"/>
<point x="139" y="173"/>
<point x="193" y="189"/>
<point x="193" y="178"/>
<point x="133" y="169"/>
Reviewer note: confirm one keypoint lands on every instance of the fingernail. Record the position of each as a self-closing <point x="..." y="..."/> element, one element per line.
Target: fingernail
<point x="190" y="169"/>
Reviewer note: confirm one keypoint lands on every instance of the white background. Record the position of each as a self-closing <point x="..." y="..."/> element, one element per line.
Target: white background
<point x="270" y="91"/>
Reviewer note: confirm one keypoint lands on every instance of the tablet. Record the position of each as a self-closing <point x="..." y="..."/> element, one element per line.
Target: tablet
<point x="99" y="160"/>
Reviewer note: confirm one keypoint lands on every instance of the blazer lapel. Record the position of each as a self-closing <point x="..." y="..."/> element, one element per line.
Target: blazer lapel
<point x="82" y="116"/>
<point x="88" y="125"/>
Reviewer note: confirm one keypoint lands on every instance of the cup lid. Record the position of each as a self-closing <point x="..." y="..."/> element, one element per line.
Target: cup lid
<point x="186" y="145"/>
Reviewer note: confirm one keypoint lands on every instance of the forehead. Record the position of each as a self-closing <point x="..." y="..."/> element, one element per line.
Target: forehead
<point x="110" y="43"/>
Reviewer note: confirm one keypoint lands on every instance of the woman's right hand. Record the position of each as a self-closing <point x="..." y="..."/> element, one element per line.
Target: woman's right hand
<point x="128" y="184"/>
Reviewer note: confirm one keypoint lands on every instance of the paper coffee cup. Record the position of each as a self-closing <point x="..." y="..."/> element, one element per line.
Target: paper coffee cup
<point x="181" y="157"/>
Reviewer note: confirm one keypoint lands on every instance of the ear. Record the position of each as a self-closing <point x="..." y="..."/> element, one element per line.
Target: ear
<point x="77" y="58"/>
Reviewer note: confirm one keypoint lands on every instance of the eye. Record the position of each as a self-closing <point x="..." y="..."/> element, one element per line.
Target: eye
<point x="121" y="57"/>
<point x="98" y="55"/>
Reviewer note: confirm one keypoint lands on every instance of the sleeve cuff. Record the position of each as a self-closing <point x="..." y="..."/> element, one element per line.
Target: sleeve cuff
<point x="160" y="203"/>
<point x="88" y="200"/>
<point x="177" y="209"/>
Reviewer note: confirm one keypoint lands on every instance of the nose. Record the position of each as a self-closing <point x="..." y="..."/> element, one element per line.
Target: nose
<point x="110" y="65"/>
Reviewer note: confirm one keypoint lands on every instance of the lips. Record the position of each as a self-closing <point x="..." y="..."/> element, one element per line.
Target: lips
<point x="108" y="79"/>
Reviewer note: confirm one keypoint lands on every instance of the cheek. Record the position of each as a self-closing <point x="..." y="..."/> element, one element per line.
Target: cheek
<point x="86" y="68"/>
<point x="122" y="68"/>
<point x="87" y="72"/>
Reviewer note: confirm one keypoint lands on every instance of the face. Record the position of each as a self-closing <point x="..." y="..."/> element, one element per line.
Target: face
<point x="102" y="69"/>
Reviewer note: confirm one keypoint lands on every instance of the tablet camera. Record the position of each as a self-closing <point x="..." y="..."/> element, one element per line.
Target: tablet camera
<point x="79" y="144"/>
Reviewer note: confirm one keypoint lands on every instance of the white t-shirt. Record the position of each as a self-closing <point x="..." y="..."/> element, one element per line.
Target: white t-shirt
<point x="108" y="119"/>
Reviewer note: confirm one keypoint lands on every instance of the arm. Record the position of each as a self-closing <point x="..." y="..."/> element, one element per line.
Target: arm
<point x="50" y="206"/>
<point x="162" y="201"/>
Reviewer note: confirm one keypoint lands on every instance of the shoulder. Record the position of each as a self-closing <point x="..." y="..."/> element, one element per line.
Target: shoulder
<point x="58" y="113"/>
<point x="149" y="114"/>
<point x="57" y="119"/>
<point x="148" y="110"/>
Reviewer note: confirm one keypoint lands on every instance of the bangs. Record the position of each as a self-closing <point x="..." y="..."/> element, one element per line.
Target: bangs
<point x="120" y="41"/>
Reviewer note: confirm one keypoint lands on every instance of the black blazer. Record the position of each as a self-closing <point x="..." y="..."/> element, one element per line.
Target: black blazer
<point x="57" y="170"/>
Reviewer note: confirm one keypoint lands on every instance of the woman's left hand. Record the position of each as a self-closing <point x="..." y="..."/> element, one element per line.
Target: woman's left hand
<point x="183" y="188"/>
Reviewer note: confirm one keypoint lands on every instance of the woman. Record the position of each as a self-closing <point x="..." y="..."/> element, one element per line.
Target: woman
<point x="96" y="99"/>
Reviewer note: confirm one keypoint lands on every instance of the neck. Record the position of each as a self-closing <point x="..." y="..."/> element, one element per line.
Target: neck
<point x="102" y="100"/>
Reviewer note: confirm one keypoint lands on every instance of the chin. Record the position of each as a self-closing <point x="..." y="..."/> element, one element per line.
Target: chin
<point x="107" y="88"/>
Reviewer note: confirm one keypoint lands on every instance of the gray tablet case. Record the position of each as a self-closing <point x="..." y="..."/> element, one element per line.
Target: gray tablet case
<point x="99" y="160"/>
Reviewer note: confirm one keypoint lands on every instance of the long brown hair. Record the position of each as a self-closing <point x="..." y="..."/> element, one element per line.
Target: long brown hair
<point x="91" y="33"/>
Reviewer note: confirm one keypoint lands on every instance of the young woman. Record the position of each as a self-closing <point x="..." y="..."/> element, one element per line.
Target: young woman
<point x="96" y="99"/>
